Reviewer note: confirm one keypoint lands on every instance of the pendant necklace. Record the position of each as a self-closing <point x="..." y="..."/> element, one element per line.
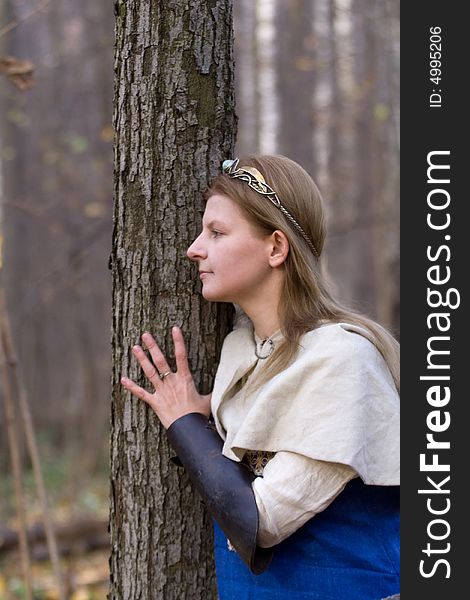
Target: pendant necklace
<point x="262" y="354"/>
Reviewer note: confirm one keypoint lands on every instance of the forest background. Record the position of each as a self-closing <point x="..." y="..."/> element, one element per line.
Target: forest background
<point x="316" y="80"/>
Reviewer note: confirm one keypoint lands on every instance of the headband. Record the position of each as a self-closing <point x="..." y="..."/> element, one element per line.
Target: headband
<point x="256" y="181"/>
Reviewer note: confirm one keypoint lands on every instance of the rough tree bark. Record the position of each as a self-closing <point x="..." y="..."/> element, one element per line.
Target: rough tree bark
<point x="174" y="122"/>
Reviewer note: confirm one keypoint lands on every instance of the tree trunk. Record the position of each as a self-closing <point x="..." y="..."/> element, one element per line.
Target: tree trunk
<point x="296" y="77"/>
<point x="246" y="77"/>
<point x="174" y="123"/>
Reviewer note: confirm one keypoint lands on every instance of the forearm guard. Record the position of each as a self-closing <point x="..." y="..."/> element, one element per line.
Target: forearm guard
<point x="224" y="485"/>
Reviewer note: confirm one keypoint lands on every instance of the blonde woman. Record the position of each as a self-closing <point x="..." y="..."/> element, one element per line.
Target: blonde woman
<point x="296" y="451"/>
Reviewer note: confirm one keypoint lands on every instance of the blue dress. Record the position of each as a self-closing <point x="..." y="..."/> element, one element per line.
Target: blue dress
<point x="350" y="551"/>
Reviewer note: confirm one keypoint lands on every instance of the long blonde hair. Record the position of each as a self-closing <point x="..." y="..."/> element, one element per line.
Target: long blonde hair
<point x="305" y="301"/>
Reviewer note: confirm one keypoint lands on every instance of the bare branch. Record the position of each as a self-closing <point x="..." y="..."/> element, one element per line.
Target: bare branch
<point x="18" y="20"/>
<point x="15" y="462"/>
<point x="9" y="357"/>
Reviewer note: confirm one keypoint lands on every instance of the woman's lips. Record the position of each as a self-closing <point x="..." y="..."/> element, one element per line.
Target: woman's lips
<point x="203" y="274"/>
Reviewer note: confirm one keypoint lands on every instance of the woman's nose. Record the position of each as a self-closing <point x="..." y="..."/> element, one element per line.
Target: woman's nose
<point x="196" y="250"/>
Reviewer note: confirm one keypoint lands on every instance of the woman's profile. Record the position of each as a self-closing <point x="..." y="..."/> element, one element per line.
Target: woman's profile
<point x="296" y="450"/>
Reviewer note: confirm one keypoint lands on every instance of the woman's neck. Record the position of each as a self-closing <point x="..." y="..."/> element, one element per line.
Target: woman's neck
<point x="263" y="308"/>
<point x="265" y="320"/>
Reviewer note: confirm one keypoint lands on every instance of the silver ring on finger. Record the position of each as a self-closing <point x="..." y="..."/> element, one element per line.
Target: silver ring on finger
<point x="163" y="375"/>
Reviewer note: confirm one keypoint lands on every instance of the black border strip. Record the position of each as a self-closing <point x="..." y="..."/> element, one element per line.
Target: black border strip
<point x="432" y="124"/>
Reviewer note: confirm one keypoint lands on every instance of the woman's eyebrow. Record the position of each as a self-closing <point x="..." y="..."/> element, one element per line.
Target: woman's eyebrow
<point x="214" y="223"/>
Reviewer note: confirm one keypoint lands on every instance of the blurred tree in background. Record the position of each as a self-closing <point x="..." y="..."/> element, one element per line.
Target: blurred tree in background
<point x="56" y="190"/>
<point x="318" y="81"/>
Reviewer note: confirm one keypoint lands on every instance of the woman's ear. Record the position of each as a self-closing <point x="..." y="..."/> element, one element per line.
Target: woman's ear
<point x="279" y="248"/>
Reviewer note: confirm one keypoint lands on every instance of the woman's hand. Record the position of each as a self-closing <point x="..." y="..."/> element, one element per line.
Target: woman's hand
<point x="175" y="393"/>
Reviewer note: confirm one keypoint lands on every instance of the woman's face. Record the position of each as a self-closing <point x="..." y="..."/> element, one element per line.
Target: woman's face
<point x="233" y="257"/>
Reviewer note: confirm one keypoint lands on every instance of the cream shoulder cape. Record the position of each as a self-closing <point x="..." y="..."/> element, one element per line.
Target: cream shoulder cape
<point x="336" y="401"/>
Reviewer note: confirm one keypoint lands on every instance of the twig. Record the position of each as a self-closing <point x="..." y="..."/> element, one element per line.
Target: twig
<point x="16" y="470"/>
<point x="18" y="20"/>
<point x="31" y="442"/>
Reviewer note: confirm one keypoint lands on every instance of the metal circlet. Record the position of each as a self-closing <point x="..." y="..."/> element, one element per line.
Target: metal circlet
<point x="256" y="181"/>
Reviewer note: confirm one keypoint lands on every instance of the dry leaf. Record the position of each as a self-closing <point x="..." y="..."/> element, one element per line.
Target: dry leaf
<point x="18" y="71"/>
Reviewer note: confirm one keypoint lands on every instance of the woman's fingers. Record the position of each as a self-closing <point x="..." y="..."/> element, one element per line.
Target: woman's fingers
<point x="149" y="370"/>
<point x="160" y="365"/>
<point x="181" y="355"/>
<point x="177" y="396"/>
<point x="157" y="356"/>
<point x="136" y="390"/>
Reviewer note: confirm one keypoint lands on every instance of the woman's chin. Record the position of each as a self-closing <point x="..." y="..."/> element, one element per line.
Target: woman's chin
<point x="207" y="294"/>
<point x="213" y="295"/>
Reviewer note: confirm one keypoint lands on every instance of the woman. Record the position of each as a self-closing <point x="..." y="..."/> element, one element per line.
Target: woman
<point x="300" y="468"/>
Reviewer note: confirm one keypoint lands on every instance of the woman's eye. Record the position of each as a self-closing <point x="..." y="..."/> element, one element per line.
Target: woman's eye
<point x="216" y="233"/>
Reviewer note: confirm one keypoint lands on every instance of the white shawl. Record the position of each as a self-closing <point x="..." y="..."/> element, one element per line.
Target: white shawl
<point x="335" y="402"/>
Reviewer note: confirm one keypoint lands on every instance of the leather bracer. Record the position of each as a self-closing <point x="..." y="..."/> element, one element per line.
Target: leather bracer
<point x="225" y="486"/>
